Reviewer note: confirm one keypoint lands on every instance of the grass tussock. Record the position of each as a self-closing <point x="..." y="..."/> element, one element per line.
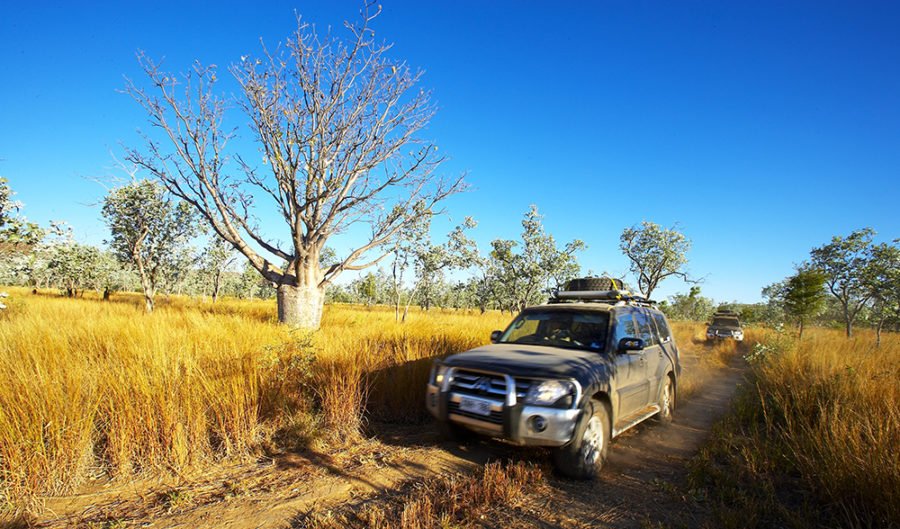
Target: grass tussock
<point x="91" y="388"/>
<point x="455" y="500"/>
<point x="815" y="441"/>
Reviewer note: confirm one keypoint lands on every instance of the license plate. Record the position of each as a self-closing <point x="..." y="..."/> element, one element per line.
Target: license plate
<point x="478" y="407"/>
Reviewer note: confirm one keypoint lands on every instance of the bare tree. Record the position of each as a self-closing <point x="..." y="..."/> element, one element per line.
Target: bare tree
<point x="337" y="123"/>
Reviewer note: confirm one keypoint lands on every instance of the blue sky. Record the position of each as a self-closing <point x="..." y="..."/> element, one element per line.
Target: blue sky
<point x="761" y="129"/>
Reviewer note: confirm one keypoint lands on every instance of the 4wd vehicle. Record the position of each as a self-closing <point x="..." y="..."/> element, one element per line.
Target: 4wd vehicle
<point x="725" y="325"/>
<point x="571" y="374"/>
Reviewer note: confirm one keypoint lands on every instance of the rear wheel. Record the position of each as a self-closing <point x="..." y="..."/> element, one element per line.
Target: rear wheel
<point x="666" y="402"/>
<point x="584" y="456"/>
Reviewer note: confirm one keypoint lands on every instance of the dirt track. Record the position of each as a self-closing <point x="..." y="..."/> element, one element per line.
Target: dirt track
<point x="642" y="484"/>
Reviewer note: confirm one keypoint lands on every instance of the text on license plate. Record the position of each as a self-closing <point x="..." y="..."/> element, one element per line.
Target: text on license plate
<point x="479" y="407"/>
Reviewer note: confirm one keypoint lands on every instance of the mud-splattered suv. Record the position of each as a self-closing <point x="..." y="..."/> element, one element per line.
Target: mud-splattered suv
<point x="725" y="325"/>
<point x="571" y="374"/>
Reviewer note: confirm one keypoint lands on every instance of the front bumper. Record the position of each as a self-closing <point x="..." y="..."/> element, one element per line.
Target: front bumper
<point x="735" y="337"/>
<point x="513" y="421"/>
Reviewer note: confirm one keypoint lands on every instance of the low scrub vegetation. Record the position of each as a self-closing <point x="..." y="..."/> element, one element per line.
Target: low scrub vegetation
<point x="814" y="441"/>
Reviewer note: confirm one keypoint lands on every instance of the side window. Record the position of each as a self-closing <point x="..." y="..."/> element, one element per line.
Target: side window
<point x="625" y="327"/>
<point x="645" y="328"/>
<point x="664" y="333"/>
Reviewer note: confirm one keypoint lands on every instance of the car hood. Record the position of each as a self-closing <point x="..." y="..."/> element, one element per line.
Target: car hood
<point x="533" y="361"/>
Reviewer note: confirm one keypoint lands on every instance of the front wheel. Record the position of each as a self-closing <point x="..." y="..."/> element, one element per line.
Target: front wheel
<point x="584" y="456"/>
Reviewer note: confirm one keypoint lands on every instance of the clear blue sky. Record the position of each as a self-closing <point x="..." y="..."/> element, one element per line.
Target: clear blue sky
<point x="761" y="128"/>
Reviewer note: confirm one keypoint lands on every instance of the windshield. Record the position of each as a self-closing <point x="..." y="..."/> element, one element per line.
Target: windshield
<point x="571" y="329"/>
<point x="726" y="322"/>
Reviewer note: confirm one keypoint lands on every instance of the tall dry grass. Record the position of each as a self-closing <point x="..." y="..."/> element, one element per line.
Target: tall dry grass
<point x="816" y="440"/>
<point x="92" y="388"/>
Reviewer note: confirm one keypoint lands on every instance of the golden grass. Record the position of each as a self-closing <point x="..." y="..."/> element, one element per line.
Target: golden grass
<point x="816" y="440"/>
<point x="90" y="387"/>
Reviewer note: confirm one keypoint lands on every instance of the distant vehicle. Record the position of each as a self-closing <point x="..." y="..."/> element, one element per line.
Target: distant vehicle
<point x="571" y="374"/>
<point x="725" y="325"/>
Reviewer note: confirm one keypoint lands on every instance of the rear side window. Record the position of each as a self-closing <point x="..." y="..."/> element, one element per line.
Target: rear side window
<point x="664" y="333"/>
<point x="645" y="328"/>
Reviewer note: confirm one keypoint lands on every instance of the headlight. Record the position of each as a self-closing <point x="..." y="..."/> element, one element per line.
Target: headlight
<point x="440" y="371"/>
<point x="549" y="392"/>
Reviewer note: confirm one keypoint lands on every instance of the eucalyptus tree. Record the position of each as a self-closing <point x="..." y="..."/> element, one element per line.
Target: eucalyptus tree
<point x="523" y="273"/>
<point x="804" y="296"/>
<point x="151" y="231"/>
<point x="845" y="261"/>
<point x="74" y="267"/>
<point x="655" y="253"/>
<point x="883" y="283"/>
<point x="17" y="235"/>
<point x="217" y="258"/>
<point x="338" y="124"/>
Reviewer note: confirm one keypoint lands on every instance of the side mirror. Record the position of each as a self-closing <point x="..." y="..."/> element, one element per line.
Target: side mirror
<point x="495" y="336"/>
<point x="630" y="344"/>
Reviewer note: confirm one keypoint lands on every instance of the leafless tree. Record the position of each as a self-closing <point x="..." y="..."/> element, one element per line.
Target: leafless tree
<point x="338" y="125"/>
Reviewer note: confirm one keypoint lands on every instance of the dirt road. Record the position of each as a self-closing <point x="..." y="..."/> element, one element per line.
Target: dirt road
<point x="642" y="485"/>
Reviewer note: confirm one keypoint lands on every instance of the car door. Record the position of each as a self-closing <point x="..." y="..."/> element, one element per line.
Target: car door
<point x="653" y="352"/>
<point x="632" y="388"/>
<point x="670" y="351"/>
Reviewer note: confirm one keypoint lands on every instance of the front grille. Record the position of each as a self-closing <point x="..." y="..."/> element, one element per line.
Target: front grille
<point x="495" y="417"/>
<point x="487" y="385"/>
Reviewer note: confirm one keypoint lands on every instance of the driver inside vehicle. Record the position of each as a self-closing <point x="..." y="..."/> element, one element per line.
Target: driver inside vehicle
<point x="557" y="330"/>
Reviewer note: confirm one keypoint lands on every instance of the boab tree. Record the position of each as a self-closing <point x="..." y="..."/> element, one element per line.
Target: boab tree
<point x="338" y="126"/>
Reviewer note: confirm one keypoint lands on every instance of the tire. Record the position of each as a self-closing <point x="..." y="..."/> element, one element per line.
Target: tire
<point x="666" y="402"/>
<point x="593" y="283"/>
<point x="585" y="455"/>
<point x="449" y="431"/>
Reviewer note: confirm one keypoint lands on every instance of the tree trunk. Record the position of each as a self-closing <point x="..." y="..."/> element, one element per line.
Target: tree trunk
<point x="300" y="306"/>
<point x="215" y="289"/>
<point x="106" y="294"/>
<point x="849" y="326"/>
<point x="878" y="332"/>
<point x="148" y="301"/>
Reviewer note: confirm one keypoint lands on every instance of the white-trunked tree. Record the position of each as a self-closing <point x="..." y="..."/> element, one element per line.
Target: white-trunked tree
<point x="338" y="124"/>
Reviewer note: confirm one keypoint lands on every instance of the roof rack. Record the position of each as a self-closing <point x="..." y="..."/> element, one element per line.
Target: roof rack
<point x="605" y="296"/>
